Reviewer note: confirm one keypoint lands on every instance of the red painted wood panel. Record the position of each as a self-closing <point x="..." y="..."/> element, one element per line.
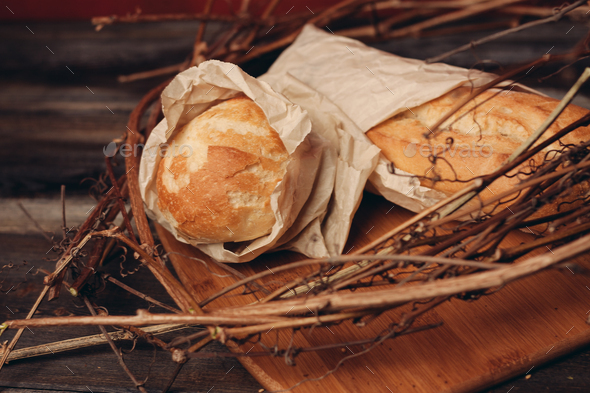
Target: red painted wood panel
<point x="75" y="9"/>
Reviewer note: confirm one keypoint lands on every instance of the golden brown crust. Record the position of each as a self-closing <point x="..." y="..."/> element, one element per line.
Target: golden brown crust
<point x="483" y="138"/>
<point x="221" y="192"/>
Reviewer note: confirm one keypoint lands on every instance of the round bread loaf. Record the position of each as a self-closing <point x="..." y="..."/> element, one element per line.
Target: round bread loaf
<point x="215" y="185"/>
<point x="483" y="138"/>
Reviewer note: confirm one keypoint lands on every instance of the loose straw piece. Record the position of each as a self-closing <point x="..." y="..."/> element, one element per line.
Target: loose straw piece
<point x="87" y="341"/>
<point x="20" y="331"/>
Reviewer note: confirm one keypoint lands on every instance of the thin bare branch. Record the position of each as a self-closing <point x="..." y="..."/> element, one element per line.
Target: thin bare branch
<point x="495" y="36"/>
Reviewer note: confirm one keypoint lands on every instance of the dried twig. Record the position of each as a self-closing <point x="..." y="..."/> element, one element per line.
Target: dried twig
<point x="171" y="69"/>
<point x="41" y="231"/>
<point x="142" y="318"/>
<point x="64" y="227"/>
<point x="116" y="350"/>
<point x="503" y="33"/>
<point x="74" y="246"/>
<point x="139" y="294"/>
<point x="88" y="341"/>
<point x="199" y="45"/>
<point x="20" y="330"/>
<point x="159" y="271"/>
<point x="452" y="16"/>
<point x="101" y="21"/>
<point x="119" y="197"/>
<point x="565" y="101"/>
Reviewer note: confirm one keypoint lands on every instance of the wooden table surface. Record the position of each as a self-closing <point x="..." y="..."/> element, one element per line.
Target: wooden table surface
<point x="58" y="88"/>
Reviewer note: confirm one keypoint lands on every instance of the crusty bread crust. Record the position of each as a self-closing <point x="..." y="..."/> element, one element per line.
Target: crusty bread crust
<point x="220" y="192"/>
<point x="483" y="138"/>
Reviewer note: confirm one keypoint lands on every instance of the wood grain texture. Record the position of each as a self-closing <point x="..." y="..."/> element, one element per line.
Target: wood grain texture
<point x="480" y="343"/>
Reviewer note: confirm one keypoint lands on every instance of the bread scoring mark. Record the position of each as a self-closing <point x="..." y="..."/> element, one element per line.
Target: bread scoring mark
<point x="203" y="209"/>
<point x="237" y="198"/>
<point x="266" y="173"/>
<point x="245" y="121"/>
<point x="226" y="161"/>
<point x="174" y="177"/>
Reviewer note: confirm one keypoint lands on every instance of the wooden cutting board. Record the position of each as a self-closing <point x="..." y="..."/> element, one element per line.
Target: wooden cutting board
<point x="479" y="344"/>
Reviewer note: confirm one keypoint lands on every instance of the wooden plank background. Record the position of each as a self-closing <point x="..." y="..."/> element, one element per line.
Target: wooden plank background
<point x="54" y="123"/>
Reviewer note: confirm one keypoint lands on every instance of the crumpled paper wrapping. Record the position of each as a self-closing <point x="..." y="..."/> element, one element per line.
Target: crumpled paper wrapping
<point x="194" y="91"/>
<point x="371" y="86"/>
<point x="316" y="200"/>
<point x="352" y="157"/>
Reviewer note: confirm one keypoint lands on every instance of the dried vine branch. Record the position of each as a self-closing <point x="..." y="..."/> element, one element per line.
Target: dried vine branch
<point x="495" y="36"/>
<point x="116" y="350"/>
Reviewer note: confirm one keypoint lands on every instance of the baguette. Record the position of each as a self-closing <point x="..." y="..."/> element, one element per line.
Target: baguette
<point x="485" y="132"/>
